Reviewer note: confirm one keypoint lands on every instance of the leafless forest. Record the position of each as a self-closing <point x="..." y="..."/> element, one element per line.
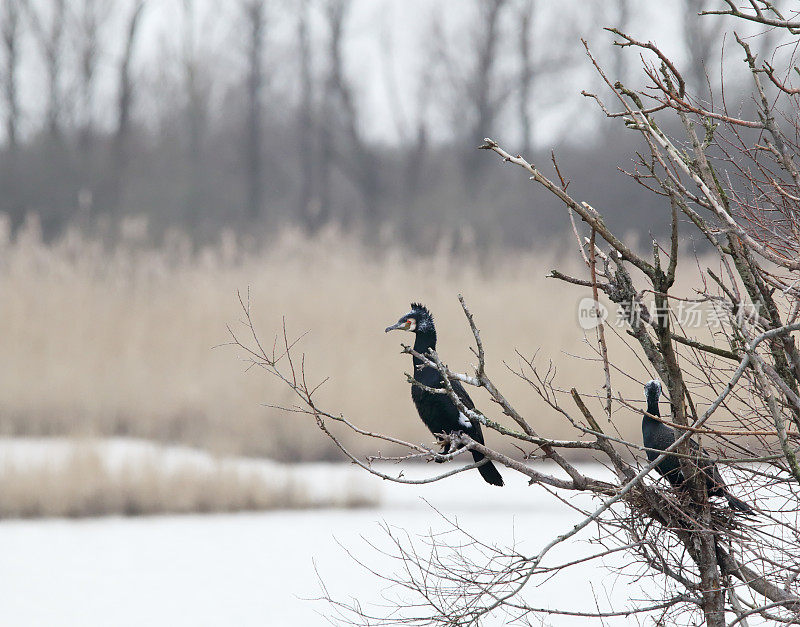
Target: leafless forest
<point x="255" y="115"/>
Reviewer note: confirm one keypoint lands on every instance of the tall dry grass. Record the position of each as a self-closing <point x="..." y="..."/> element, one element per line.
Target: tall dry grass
<point x="118" y="340"/>
<point x="74" y="478"/>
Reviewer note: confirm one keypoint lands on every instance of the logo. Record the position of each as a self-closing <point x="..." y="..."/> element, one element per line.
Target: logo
<point x="591" y="314"/>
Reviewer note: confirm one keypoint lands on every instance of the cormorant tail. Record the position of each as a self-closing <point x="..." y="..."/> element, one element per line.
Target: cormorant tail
<point x="738" y="504"/>
<point x="488" y="470"/>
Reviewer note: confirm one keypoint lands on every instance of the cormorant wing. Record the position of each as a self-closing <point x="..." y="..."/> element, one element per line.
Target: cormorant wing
<point x="473" y="428"/>
<point x="462" y="393"/>
<point x="708" y="467"/>
<point x="704" y="456"/>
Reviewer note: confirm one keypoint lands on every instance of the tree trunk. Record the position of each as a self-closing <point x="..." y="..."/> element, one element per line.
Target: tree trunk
<point x="481" y="91"/>
<point x="194" y="115"/>
<point x="254" y="10"/>
<point x="310" y="207"/>
<point x="526" y="76"/>
<point x="360" y="162"/>
<point x="124" y="105"/>
<point x="713" y="595"/>
<point x="9" y="30"/>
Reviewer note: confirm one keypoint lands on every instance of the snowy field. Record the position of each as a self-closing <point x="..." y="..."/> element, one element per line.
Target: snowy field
<point x="258" y="569"/>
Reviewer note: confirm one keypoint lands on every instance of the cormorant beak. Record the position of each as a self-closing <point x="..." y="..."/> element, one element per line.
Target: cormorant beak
<point x="406" y="324"/>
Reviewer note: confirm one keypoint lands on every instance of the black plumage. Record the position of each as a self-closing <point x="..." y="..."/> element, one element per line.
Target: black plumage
<point x="438" y="411"/>
<point x="657" y="435"/>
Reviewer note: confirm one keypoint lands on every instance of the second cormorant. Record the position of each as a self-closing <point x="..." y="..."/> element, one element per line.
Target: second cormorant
<point x="657" y="435"/>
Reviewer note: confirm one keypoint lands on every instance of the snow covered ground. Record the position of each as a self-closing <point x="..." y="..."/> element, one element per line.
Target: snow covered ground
<point x="257" y="569"/>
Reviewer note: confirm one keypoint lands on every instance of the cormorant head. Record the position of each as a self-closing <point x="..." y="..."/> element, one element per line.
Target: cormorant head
<point x="418" y="320"/>
<point x="652" y="391"/>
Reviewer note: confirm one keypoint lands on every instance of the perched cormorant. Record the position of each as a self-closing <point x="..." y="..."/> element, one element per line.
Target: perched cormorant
<point x="657" y="435"/>
<point x="438" y="411"/>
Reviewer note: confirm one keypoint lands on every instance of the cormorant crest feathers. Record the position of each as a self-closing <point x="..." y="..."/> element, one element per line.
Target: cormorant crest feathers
<point x="425" y="321"/>
<point x="419" y="307"/>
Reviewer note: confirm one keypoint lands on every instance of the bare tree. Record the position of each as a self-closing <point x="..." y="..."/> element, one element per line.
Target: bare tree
<point x="10" y="32"/>
<point x="124" y="82"/>
<point x="89" y="18"/>
<point x="623" y="19"/>
<point x="525" y="20"/>
<point x="195" y="110"/>
<point x="255" y="14"/>
<point x="482" y="95"/>
<point x="355" y="156"/>
<point x="125" y="92"/>
<point x="314" y="204"/>
<point x="48" y="28"/>
<point x="410" y="122"/>
<point x="736" y="388"/>
<point x="482" y="91"/>
<point x="417" y="149"/>
<point x="702" y="39"/>
<point x="326" y="149"/>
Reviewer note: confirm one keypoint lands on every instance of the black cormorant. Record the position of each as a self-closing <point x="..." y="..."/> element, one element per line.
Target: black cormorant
<point x="438" y="411"/>
<point x="657" y="435"/>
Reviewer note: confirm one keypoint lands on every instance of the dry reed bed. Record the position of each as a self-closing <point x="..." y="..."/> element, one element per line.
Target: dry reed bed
<point x="56" y="477"/>
<point x="117" y="340"/>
